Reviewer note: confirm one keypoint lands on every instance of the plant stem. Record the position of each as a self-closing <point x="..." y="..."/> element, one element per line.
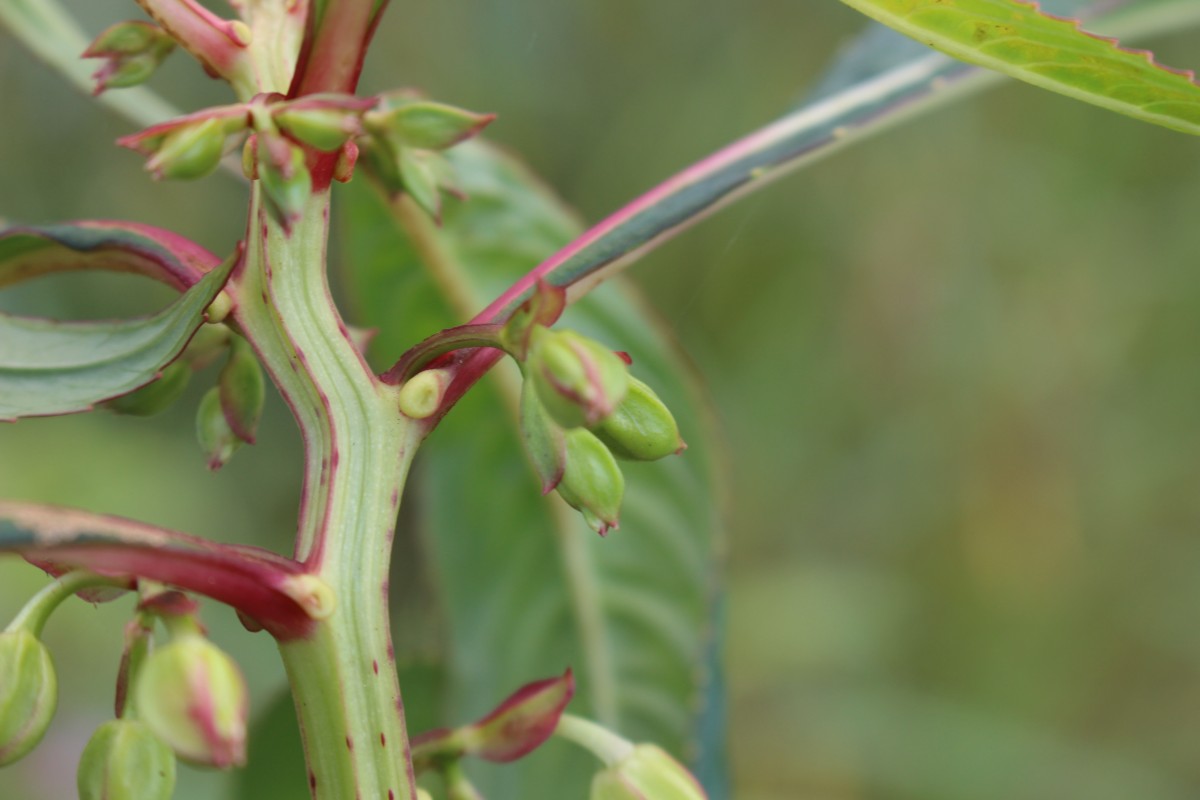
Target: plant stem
<point x="39" y="608"/>
<point x="358" y="449"/>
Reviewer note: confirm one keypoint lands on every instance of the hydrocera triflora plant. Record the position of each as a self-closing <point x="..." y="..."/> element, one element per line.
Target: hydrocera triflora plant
<point x="472" y="220"/>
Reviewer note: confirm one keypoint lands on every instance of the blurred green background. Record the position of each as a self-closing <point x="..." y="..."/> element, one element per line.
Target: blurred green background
<point x="955" y="367"/>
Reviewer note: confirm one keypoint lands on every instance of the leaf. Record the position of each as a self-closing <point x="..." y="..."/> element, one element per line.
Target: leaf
<point x="49" y="367"/>
<point x="266" y="586"/>
<point x="527" y="589"/>
<point x="27" y="251"/>
<point x="1019" y="40"/>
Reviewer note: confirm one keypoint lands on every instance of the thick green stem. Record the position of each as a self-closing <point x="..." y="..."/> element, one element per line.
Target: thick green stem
<point x="358" y="449"/>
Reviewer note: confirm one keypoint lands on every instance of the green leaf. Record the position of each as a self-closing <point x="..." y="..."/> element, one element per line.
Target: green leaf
<point x="527" y="589"/>
<point x="1019" y="40"/>
<point x="28" y="251"/>
<point x="49" y="367"/>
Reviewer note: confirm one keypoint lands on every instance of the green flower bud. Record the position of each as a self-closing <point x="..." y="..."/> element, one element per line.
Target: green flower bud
<point x="427" y="125"/>
<point x="124" y="760"/>
<point x="579" y="381"/>
<point x="132" y="52"/>
<point x="189" y="151"/>
<point x="28" y="693"/>
<point x="242" y="390"/>
<point x="641" y="428"/>
<point x="193" y="696"/>
<point x="647" y="773"/>
<point x="592" y="482"/>
<point x="156" y="395"/>
<point x="217" y="439"/>
<point x="324" y="129"/>
<point x="284" y="176"/>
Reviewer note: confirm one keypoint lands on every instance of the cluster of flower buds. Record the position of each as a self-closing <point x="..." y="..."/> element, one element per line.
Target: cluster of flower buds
<point x="581" y="410"/>
<point x="131" y="51"/>
<point x="642" y="771"/>
<point x="186" y="699"/>
<point x="407" y="135"/>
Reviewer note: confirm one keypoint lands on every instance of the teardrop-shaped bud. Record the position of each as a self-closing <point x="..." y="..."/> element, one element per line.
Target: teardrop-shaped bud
<point x="217" y="439"/>
<point x="132" y="51"/>
<point x="191" y="151"/>
<point x="425" y="124"/>
<point x="125" y="760"/>
<point x="648" y="773"/>
<point x="285" y="179"/>
<point x="242" y="390"/>
<point x="193" y="696"/>
<point x="580" y="381"/>
<point x="543" y="439"/>
<point x="641" y="428"/>
<point x="322" y="121"/>
<point x="592" y="482"/>
<point x="156" y="395"/>
<point x="28" y="693"/>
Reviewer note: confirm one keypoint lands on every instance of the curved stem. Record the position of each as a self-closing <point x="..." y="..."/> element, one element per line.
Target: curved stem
<point x="358" y="450"/>
<point x="39" y="608"/>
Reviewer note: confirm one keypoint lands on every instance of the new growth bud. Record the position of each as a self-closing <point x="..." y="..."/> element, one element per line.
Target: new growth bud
<point x="132" y="52"/>
<point x="193" y="696"/>
<point x="592" y="482"/>
<point x="579" y="381"/>
<point x="125" y="760"/>
<point x="647" y="773"/>
<point x="641" y="428"/>
<point x="28" y="693"/>
<point x="285" y="180"/>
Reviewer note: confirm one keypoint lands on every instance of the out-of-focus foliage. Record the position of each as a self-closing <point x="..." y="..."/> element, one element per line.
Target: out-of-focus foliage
<point x="955" y="366"/>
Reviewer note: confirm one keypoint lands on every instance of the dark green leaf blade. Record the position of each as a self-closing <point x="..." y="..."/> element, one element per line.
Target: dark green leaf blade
<point x="49" y="367"/>
<point x="527" y="588"/>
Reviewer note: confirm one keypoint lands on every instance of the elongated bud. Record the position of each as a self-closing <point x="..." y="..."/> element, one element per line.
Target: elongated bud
<point x="424" y="124"/>
<point x="217" y="439"/>
<point x="648" y="773"/>
<point x="132" y="51"/>
<point x="28" y="693"/>
<point x="191" y="151"/>
<point x="155" y="396"/>
<point x="242" y="390"/>
<point x="284" y="176"/>
<point x="322" y="121"/>
<point x="592" y="482"/>
<point x="193" y="696"/>
<point x="641" y="428"/>
<point x="125" y="760"/>
<point x="579" y="381"/>
<point x="544" y="440"/>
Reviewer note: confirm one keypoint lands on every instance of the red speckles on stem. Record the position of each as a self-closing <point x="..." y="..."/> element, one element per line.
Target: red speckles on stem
<point x="349" y="742"/>
<point x="382" y="739"/>
<point x="395" y="498"/>
<point x="391" y="652"/>
<point x="375" y="666"/>
<point x="312" y="780"/>
<point x="334" y="458"/>
<point x="391" y="795"/>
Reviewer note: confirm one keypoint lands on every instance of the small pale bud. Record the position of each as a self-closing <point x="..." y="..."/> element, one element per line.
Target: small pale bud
<point x="592" y="482"/>
<point x="648" y="773"/>
<point x="125" y="760"/>
<point x="422" y="394"/>
<point x="190" y="151"/>
<point x="641" y="428"/>
<point x="193" y="696"/>
<point x="28" y="693"/>
<point x="579" y="381"/>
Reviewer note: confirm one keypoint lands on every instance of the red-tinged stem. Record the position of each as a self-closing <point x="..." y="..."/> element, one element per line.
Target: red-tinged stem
<point x="218" y="44"/>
